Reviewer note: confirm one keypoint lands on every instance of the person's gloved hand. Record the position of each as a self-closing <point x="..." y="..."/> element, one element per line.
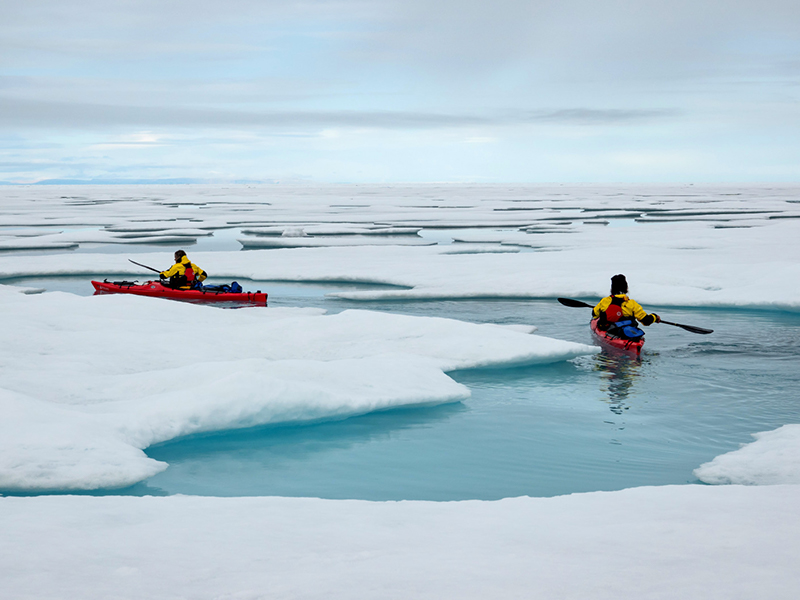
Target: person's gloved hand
<point x="658" y="319"/>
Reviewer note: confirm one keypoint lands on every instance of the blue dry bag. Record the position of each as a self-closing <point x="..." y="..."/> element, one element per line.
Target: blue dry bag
<point x="627" y="329"/>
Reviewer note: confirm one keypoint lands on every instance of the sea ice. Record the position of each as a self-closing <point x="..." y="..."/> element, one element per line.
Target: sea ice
<point x="303" y="241"/>
<point x="737" y="266"/>
<point x="691" y="541"/>
<point x="88" y="382"/>
<point x="774" y="458"/>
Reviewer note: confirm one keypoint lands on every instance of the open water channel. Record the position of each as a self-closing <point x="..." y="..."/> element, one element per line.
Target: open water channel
<point x="603" y="422"/>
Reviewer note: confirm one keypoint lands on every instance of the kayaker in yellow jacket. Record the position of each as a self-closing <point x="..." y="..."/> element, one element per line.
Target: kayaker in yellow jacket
<point x="617" y="307"/>
<point x="183" y="274"/>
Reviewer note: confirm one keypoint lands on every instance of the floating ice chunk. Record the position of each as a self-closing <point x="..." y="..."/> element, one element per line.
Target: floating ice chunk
<point x="183" y="233"/>
<point x="490" y="237"/>
<point x="35" y="243"/>
<point x="158" y="229"/>
<point x="293" y="232"/>
<point x="72" y="239"/>
<point x="462" y="248"/>
<point x="332" y="230"/>
<point x="20" y="232"/>
<point x="351" y="240"/>
<point x="774" y="458"/>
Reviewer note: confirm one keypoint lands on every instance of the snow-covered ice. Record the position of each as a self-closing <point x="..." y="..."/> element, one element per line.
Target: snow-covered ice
<point x="312" y="242"/>
<point x="565" y="252"/>
<point x="774" y="458"/>
<point x="88" y="382"/>
<point x="714" y="543"/>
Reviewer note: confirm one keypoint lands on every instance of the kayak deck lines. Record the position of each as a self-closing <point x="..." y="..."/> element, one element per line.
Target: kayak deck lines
<point x="617" y="343"/>
<point x="156" y="289"/>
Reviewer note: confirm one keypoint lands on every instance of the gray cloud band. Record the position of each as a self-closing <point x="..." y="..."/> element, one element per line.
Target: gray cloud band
<point x="16" y="113"/>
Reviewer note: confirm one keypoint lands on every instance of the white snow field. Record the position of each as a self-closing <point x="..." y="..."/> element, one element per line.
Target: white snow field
<point x="86" y="383"/>
<point x="681" y="245"/>
<point x="672" y="542"/>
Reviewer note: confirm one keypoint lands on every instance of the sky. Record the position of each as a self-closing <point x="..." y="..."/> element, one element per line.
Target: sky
<point x="379" y="91"/>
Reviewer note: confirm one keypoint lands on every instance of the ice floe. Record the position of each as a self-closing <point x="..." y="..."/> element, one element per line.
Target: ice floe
<point x="774" y="458"/>
<point x="560" y="251"/>
<point x="87" y="383"/>
<point x="651" y="543"/>
<point x="389" y="210"/>
<point x="736" y="269"/>
<point x="327" y="241"/>
<point x="331" y="230"/>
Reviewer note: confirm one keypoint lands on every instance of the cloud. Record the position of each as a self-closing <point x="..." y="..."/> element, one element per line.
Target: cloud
<point x="571" y="78"/>
<point x="73" y="115"/>
<point x="451" y="38"/>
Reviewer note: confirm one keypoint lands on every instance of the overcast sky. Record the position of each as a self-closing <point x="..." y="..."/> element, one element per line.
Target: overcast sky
<point x="400" y="90"/>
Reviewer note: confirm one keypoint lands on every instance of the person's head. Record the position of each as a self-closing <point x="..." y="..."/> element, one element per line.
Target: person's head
<point x="179" y="255"/>
<point x="619" y="285"/>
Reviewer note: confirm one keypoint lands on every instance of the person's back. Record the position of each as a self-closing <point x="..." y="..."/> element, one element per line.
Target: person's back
<point x="616" y="313"/>
<point x="183" y="274"/>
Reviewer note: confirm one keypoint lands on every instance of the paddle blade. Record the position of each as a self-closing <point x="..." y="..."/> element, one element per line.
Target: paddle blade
<point x="692" y="328"/>
<point x="574" y="303"/>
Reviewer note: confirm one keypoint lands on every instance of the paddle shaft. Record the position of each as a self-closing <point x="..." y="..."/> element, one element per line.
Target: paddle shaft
<point x="691" y="328"/>
<point x="145" y="266"/>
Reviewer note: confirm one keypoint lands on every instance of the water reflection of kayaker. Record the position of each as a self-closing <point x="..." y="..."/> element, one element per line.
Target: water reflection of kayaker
<point x="617" y="314"/>
<point x="619" y="372"/>
<point x="183" y="274"/>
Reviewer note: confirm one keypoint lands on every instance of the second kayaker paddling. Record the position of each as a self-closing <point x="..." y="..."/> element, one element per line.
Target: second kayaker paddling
<point x="616" y="315"/>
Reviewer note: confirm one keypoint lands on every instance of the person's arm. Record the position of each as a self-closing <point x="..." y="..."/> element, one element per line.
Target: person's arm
<point x="173" y="270"/>
<point x="601" y="306"/>
<point x="644" y="318"/>
<point x="199" y="274"/>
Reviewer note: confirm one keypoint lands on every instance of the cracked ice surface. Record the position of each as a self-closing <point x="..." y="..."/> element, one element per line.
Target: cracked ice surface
<point x="680" y="246"/>
<point x="88" y="382"/>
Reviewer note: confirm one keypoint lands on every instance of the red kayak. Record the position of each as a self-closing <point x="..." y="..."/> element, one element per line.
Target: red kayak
<point x="158" y="290"/>
<point x="617" y="343"/>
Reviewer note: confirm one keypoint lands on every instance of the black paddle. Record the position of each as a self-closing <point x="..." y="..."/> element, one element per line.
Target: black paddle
<point x="151" y="268"/>
<point x="578" y="304"/>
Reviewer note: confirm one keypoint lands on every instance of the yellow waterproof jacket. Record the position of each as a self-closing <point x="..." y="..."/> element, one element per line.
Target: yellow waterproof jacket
<point x="179" y="270"/>
<point x="630" y="308"/>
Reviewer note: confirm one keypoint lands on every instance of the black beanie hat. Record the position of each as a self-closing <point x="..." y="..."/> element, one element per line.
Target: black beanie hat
<point x="619" y="285"/>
